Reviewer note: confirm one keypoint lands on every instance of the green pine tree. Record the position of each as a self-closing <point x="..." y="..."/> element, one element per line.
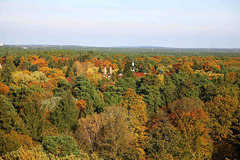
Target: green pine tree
<point x="9" y="119"/>
<point x="65" y="114"/>
<point x="32" y="115"/>
<point x="8" y="68"/>
<point x="83" y="89"/>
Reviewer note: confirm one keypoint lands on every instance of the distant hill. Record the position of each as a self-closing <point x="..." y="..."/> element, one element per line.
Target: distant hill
<point x="153" y="50"/>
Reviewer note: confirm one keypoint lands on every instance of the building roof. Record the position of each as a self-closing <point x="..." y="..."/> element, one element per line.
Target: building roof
<point x="120" y="76"/>
<point x="69" y="79"/>
<point x="140" y="74"/>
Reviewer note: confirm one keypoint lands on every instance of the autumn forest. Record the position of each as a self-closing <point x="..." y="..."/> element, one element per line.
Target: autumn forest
<point x="86" y="104"/>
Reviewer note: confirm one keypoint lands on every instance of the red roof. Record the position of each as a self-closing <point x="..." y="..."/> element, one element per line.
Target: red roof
<point x="69" y="79"/>
<point x="139" y="74"/>
<point x="120" y="76"/>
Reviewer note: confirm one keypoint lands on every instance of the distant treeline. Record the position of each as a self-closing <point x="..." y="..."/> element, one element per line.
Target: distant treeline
<point x="75" y="50"/>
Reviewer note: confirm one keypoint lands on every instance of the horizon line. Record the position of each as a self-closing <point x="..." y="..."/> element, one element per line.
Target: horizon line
<point x="120" y="46"/>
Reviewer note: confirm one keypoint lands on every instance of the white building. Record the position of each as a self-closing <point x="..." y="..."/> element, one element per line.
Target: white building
<point x="132" y="68"/>
<point x="1" y="45"/>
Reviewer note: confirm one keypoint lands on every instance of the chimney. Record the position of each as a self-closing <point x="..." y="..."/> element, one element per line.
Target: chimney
<point x="105" y="70"/>
<point x="110" y="69"/>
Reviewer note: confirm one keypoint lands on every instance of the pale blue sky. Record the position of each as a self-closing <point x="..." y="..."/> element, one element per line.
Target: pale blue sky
<point x="166" y="23"/>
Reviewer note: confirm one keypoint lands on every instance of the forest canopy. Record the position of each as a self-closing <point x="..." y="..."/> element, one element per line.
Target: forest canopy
<point x="123" y="104"/>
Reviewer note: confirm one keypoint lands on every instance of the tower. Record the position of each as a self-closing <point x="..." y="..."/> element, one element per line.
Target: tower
<point x="132" y="69"/>
<point x="110" y="69"/>
<point x="105" y="70"/>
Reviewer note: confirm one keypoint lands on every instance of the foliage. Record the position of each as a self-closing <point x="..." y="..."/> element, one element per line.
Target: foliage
<point x="83" y="89"/>
<point x="9" y="119"/>
<point x="182" y="134"/>
<point x="149" y="87"/>
<point x="38" y="153"/>
<point x="62" y="86"/>
<point x="4" y="89"/>
<point x="51" y="103"/>
<point x="21" y="78"/>
<point x="32" y="115"/>
<point x="69" y="72"/>
<point x="98" y="134"/>
<point x="188" y="116"/>
<point x="81" y="67"/>
<point x="65" y="115"/>
<point x="93" y="76"/>
<point x="19" y="93"/>
<point x="89" y="130"/>
<point x="12" y="141"/>
<point x="116" y="142"/>
<point x="6" y="73"/>
<point x="33" y="68"/>
<point x="81" y="105"/>
<point x="60" y="145"/>
<point x="136" y="109"/>
<point x="223" y="113"/>
<point x="127" y="71"/>
<point x="184" y="107"/>
<point x="165" y="141"/>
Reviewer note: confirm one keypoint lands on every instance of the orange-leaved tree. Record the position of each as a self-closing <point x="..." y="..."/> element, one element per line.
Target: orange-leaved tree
<point x="188" y="117"/>
<point x="41" y="62"/>
<point x="81" y="105"/>
<point x="4" y="89"/>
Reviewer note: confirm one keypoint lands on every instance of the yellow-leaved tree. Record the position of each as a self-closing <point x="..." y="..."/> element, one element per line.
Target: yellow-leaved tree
<point x="93" y="75"/>
<point x="81" y="67"/>
<point x="224" y="113"/>
<point x="136" y="109"/>
<point x="110" y="134"/>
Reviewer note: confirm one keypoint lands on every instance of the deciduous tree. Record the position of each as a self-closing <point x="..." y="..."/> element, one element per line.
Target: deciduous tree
<point x="136" y="108"/>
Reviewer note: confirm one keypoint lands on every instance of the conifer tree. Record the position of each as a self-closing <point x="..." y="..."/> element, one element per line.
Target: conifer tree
<point x="83" y="89"/>
<point x="63" y="86"/>
<point x="65" y="114"/>
<point x="7" y="71"/>
<point x="32" y="115"/>
<point x="9" y="119"/>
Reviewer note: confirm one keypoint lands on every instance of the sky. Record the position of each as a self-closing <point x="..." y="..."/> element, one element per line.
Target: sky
<point x="108" y="23"/>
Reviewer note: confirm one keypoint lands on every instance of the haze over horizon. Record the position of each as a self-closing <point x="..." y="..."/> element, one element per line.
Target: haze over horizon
<point x="183" y="24"/>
